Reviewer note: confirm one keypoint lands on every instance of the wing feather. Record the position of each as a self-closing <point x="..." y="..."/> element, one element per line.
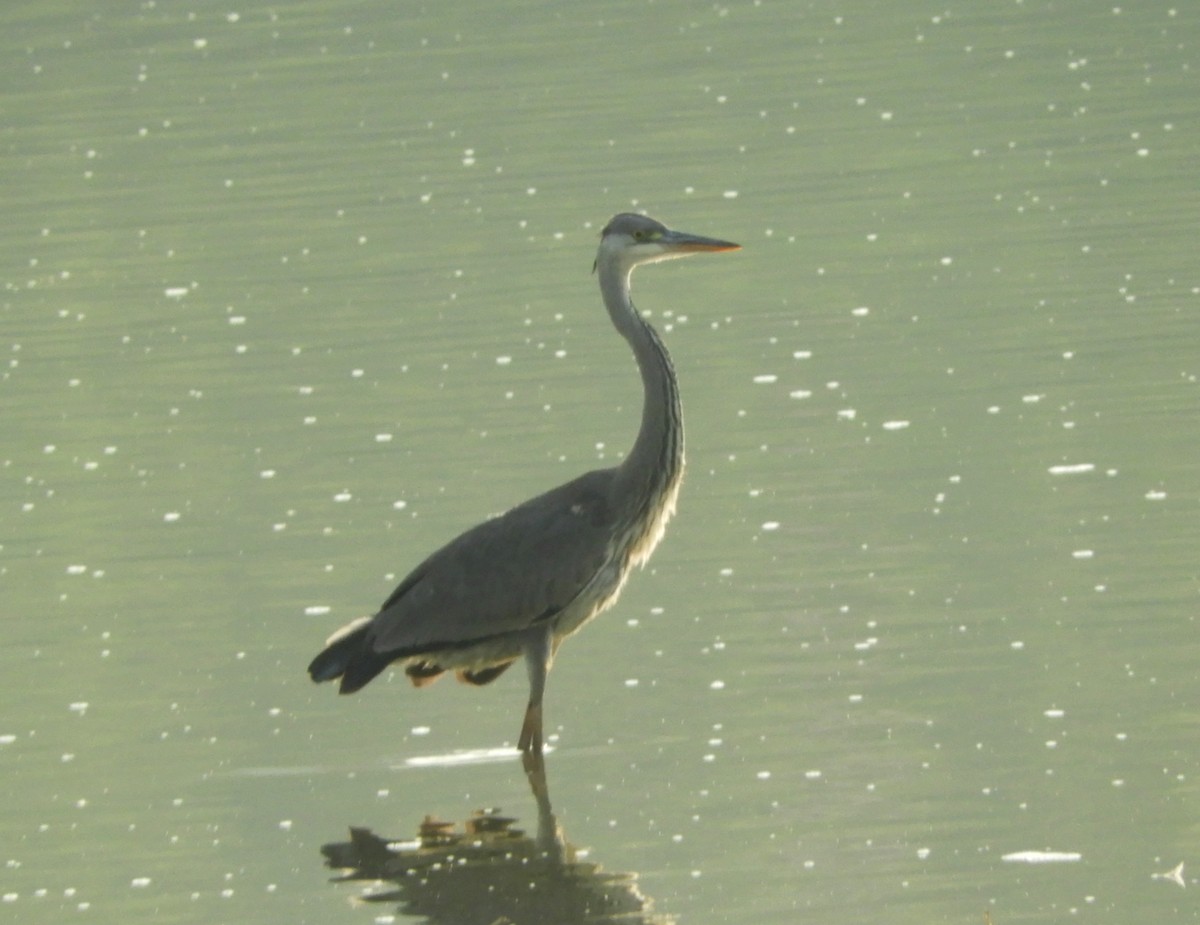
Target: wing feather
<point x="505" y="574"/>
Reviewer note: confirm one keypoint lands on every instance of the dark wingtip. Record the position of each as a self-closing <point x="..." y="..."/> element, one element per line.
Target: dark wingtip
<point x="325" y="668"/>
<point x="344" y="648"/>
<point x="362" y="669"/>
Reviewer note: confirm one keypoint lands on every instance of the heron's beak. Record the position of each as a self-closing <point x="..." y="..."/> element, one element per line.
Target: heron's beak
<point x="693" y="243"/>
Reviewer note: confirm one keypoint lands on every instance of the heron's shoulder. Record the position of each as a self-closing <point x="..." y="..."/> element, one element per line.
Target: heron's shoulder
<point x="597" y="483"/>
<point x="584" y="501"/>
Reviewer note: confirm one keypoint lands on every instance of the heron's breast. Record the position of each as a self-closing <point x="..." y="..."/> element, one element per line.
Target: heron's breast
<point x="632" y="547"/>
<point x="645" y="533"/>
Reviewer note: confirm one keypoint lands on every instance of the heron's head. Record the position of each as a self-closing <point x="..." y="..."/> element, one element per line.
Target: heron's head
<point x="629" y="240"/>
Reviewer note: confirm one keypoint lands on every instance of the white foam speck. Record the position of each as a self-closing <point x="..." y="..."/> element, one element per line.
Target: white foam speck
<point x="1042" y="857"/>
<point x="1072" y="469"/>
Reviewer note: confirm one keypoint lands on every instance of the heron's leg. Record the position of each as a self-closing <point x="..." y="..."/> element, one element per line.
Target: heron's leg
<point x="534" y="764"/>
<point x="530" y="741"/>
<point x="538" y="656"/>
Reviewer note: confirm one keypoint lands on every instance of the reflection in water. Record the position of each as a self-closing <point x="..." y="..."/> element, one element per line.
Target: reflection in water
<point x="491" y="872"/>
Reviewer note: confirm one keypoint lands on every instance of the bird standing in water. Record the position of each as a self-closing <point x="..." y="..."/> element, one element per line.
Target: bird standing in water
<point x="521" y="583"/>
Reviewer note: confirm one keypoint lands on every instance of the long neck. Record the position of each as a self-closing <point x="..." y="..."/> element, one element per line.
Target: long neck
<point x="649" y="476"/>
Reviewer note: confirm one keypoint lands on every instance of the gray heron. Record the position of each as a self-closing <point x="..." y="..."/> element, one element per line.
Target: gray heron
<point x="519" y="584"/>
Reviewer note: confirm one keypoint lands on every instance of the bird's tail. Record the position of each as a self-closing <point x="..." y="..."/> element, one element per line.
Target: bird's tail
<point x="348" y="656"/>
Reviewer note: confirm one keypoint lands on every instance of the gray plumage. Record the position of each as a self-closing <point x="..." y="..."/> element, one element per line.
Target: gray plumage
<point x="518" y="585"/>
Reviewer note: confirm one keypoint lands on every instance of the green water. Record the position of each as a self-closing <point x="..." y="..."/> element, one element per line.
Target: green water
<point x="294" y="293"/>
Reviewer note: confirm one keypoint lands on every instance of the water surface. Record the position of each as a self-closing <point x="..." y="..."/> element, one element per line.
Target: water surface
<point x="294" y="293"/>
